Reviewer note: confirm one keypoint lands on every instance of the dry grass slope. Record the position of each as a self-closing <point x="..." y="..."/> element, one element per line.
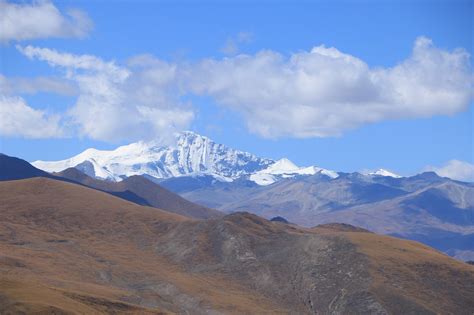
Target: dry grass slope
<point x="68" y="249"/>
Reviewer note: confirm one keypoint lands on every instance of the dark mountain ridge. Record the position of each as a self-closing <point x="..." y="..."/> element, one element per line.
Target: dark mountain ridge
<point x="12" y="168"/>
<point x="136" y="189"/>
<point x="142" y="191"/>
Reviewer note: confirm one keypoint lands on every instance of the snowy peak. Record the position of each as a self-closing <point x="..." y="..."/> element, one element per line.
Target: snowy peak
<point x="284" y="168"/>
<point x="196" y="154"/>
<point x="383" y="172"/>
<point x="190" y="154"/>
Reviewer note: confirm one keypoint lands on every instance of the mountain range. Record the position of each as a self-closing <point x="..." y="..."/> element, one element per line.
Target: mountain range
<point x="190" y="155"/>
<point x="426" y="207"/>
<point x="66" y="248"/>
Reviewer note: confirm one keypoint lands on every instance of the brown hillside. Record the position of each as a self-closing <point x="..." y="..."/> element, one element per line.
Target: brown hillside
<point x="65" y="248"/>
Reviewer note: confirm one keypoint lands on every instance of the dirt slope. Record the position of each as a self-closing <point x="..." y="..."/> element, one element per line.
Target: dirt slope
<point x="70" y="249"/>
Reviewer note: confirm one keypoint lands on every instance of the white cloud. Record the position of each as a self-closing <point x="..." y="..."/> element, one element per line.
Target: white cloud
<point x="117" y="102"/>
<point x="324" y="92"/>
<point x="74" y="62"/>
<point x="19" y="85"/>
<point x="18" y="119"/>
<point x="317" y="93"/>
<point x="231" y="46"/>
<point x="455" y="169"/>
<point x="40" y="19"/>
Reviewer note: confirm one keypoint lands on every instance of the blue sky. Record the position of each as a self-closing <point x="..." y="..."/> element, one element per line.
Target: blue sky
<point x="379" y="33"/>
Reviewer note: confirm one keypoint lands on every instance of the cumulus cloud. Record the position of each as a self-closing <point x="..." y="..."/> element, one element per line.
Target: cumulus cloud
<point x="455" y="169"/>
<point x="40" y="19"/>
<point x="231" y="46"/>
<point x="19" y="119"/>
<point x="324" y="92"/>
<point x="318" y="93"/>
<point x="116" y="102"/>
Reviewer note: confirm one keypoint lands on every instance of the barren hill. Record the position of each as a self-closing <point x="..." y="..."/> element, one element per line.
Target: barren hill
<point x="66" y="248"/>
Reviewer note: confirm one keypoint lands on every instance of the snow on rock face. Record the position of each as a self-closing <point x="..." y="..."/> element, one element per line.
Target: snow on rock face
<point x="263" y="179"/>
<point x="192" y="154"/>
<point x="92" y="168"/>
<point x="284" y="168"/>
<point x="198" y="154"/>
<point x="382" y="172"/>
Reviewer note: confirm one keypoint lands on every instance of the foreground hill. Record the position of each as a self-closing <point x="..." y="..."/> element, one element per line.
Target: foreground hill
<point x="144" y="192"/>
<point x="68" y="248"/>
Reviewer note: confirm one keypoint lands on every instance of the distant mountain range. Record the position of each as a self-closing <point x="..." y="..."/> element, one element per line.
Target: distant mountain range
<point x="435" y="210"/>
<point x="190" y="155"/>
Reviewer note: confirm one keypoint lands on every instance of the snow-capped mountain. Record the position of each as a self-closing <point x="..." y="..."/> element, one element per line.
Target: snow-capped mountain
<point x="284" y="168"/>
<point x="191" y="154"/>
<point x="383" y="172"/>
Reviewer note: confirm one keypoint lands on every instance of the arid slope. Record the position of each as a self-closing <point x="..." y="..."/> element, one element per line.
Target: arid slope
<point x="70" y="249"/>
